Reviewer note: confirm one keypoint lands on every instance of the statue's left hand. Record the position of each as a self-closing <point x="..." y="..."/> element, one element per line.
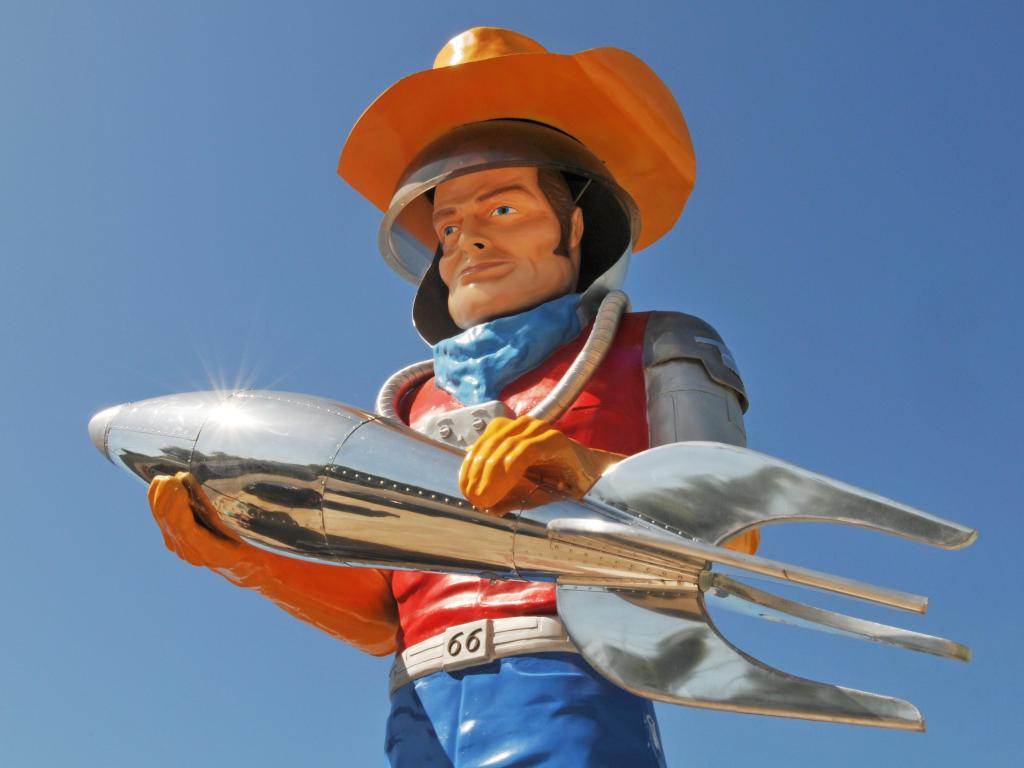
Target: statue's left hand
<point x="512" y="456"/>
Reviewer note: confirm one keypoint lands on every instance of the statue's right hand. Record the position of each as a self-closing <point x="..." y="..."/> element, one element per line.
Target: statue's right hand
<point x="190" y="525"/>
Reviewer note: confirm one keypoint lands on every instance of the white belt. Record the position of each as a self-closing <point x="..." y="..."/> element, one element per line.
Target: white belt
<point x="478" y="642"/>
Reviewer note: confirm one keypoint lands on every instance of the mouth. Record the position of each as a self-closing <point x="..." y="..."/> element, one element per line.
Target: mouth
<point x="482" y="271"/>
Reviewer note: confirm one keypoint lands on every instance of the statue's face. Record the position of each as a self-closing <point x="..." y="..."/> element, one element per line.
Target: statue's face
<point x="498" y="236"/>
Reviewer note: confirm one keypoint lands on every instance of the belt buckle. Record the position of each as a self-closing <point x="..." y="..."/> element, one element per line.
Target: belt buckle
<point x="467" y="645"/>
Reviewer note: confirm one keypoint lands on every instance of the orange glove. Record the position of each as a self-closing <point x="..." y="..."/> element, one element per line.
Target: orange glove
<point x="746" y="542"/>
<point x="352" y="604"/>
<point x="503" y="466"/>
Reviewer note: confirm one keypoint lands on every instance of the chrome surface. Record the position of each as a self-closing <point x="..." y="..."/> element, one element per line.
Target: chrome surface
<point x="711" y="492"/>
<point x="750" y="601"/>
<point x="262" y="458"/>
<point x="648" y="544"/>
<point x="606" y="323"/>
<point x="391" y="499"/>
<point x="461" y="428"/>
<point x="99" y="425"/>
<point x="154" y="437"/>
<point x="535" y="549"/>
<point x="316" y="479"/>
<point x="664" y="647"/>
<point x="399" y="383"/>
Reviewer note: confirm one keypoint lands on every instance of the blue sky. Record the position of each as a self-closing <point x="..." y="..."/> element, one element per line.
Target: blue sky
<point x="171" y="220"/>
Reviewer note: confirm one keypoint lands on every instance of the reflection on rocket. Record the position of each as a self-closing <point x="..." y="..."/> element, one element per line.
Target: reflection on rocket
<point x="311" y="478"/>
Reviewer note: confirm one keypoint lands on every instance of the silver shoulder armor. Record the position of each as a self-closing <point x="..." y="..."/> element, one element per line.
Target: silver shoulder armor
<point x="694" y="389"/>
<point x="675" y="336"/>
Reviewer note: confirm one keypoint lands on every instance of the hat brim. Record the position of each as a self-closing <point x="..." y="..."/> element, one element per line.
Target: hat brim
<point x="606" y="98"/>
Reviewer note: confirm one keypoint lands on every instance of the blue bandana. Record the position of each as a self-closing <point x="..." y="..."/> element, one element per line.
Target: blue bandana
<point x="475" y="365"/>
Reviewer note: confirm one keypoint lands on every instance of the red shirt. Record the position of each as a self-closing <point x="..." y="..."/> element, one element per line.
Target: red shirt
<point x="610" y="414"/>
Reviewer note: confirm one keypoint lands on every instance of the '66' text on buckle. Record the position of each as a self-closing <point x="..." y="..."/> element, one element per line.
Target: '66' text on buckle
<point x="467" y="645"/>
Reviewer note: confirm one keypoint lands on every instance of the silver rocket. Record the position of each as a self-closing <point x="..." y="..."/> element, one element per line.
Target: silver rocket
<point x="633" y="561"/>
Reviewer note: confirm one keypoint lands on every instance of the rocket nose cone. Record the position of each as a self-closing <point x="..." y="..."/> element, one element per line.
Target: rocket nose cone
<point x="98" y="425"/>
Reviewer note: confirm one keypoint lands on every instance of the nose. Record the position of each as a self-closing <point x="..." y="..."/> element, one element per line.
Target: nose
<point x="474" y="243"/>
<point x="471" y="239"/>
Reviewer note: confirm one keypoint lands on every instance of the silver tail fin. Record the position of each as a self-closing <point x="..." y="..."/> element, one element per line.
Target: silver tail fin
<point x="660" y="642"/>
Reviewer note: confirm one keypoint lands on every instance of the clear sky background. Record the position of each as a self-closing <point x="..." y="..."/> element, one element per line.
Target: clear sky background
<point x="170" y="219"/>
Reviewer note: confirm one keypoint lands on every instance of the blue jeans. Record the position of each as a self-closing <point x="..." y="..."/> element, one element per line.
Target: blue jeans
<point x="549" y="709"/>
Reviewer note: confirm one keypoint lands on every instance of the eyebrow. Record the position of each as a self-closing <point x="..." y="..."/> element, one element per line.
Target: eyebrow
<point x="502" y="191"/>
<point x="484" y="197"/>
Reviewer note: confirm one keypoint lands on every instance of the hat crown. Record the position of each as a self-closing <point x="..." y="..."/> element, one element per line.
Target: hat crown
<point x="481" y="43"/>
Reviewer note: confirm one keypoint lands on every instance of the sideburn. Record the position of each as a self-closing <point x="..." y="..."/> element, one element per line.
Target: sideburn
<point x="556" y="189"/>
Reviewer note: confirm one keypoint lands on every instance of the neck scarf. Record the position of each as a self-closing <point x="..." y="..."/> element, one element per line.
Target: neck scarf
<point x="475" y="365"/>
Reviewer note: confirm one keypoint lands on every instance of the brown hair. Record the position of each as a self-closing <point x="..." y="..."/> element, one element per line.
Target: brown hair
<point x="556" y="190"/>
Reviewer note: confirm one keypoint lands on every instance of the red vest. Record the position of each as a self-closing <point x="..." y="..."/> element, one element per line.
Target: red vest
<point x="610" y="414"/>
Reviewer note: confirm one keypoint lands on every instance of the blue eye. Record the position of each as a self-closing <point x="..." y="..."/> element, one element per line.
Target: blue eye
<point x="449" y="230"/>
<point x="503" y="210"/>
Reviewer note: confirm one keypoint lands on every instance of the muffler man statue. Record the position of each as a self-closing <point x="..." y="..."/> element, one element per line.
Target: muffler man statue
<point x="516" y="184"/>
<point x="537" y="602"/>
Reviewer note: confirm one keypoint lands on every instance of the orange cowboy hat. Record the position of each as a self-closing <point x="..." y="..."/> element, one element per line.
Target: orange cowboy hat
<point x="606" y="98"/>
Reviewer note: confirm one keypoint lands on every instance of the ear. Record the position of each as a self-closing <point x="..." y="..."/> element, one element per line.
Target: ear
<point x="575" y="236"/>
<point x="576" y="229"/>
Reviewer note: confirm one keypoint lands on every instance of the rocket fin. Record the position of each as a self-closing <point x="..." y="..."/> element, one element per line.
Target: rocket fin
<point x="688" y="498"/>
<point x="665" y="647"/>
<point x="712" y="491"/>
<point x="750" y="601"/>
